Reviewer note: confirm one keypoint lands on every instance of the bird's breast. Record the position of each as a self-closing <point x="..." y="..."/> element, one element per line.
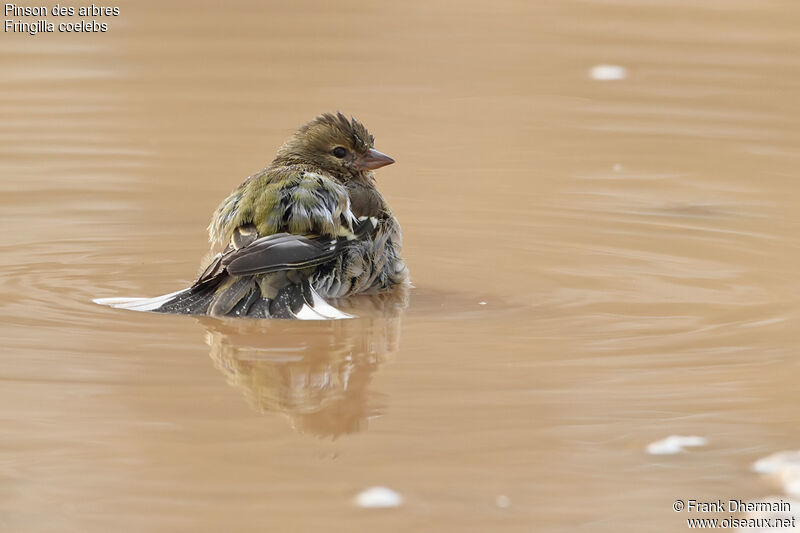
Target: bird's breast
<point x="365" y="201"/>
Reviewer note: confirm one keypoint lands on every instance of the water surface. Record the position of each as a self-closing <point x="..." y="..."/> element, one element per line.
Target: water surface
<point x="598" y="265"/>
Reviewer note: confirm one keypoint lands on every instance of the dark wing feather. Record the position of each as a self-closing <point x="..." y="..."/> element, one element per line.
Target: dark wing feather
<point x="242" y="236"/>
<point x="284" y="251"/>
<point x="281" y="251"/>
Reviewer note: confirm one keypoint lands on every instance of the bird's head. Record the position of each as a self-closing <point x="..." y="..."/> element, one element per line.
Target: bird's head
<point x="342" y="147"/>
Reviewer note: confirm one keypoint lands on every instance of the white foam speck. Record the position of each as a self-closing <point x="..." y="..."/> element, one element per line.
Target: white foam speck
<point x="776" y="508"/>
<point x="502" y="501"/>
<point x="378" y="498"/>
<point x="674" y="444"/>
<point x="785" y="467"/>
<point x="777" y="461"/>
<point x="608" y="72"/>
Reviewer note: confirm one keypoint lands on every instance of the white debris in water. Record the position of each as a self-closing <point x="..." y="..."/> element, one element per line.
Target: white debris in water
<point x="791" y="483"/>
<point x="674" y="444"/>
<point x="785" y="466"/>
<point x="481" y="303"/>
<point x="777" y="461"/>
<point x="378" y="498"/>
<point x="608" y="72"/>
<point x="783" y="513"/>
<point x="502" y="501"/>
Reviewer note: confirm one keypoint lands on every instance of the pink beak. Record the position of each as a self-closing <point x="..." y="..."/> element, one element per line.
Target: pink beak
<point x="374" y="159"/>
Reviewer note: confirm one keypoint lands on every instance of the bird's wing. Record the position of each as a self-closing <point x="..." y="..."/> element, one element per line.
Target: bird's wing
<point x="281" y="251"/>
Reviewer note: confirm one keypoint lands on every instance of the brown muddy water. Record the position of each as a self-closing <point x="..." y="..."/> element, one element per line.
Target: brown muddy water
<point x="598" y="264"/>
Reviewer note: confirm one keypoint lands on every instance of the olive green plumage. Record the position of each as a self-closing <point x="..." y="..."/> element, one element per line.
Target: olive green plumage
<point x="309" y="226"/>
<point x="285" y="198"/>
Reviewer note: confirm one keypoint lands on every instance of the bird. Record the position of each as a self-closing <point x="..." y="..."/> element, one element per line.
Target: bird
<point x="310" y="227"/>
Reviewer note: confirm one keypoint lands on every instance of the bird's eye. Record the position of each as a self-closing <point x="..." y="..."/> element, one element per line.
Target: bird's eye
<point x="339" y="152"/>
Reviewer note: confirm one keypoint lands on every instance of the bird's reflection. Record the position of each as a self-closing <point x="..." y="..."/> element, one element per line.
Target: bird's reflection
<point x="316" y="373"/>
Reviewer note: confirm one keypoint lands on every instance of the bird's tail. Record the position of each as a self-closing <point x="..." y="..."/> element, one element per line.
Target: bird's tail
<point x="238" y="297"/>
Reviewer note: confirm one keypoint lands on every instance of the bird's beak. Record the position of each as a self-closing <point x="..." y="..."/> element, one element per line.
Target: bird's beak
<point x="374" y="159"/>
